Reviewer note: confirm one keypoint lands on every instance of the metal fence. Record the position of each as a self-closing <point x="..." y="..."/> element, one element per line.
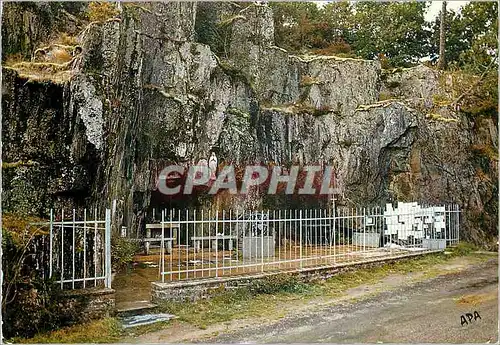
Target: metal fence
<point x="77" y="247"/>
<point x="196" y="244"/>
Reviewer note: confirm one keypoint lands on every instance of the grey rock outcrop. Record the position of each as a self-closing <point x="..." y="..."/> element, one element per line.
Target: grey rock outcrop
<point x="146" y="94"/>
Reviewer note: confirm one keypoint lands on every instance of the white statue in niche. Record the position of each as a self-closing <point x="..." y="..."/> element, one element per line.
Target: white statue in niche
<point x="200" y="168"/>
<point x="212" y="165"/>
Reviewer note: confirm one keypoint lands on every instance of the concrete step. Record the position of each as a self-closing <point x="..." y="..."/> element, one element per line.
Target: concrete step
<point x="134" y="308"/>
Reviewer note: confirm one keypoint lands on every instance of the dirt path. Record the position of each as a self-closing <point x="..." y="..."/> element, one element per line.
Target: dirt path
<point x="429" y="311"/>
<point x="398" y="308"/>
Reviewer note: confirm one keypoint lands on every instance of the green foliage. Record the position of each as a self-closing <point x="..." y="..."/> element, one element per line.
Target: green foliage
<point x="476" y="95"/>
<point x="472" y="50"/>
<point x="213" y="25"/>
<point x="122" y="252"/>
<point x="396" y="32"/>
<point x="384" y="96"/>
<point x="471" y="36"/>
<point x="483" y="99"/>
<point x="339" y="48"/>
<point x="484" y="156"/>
<point x="463" y="249"/>
<point x="395" y="29"/>
<point x="295" y="25"/>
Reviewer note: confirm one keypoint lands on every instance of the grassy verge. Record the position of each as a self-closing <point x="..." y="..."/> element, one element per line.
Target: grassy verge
<point x="107" y="330"/>
<point x="268" y="299"/>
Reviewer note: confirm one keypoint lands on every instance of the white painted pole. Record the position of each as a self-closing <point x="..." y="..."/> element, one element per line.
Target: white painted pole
<point x="261" y="240"/>
<point x="179" y="247"/>
<point x="95" y="247"/>
<point x="84" y="247"/>
<point x="162" y="247"/>
<point x="279" y="236"/>
<point x="62" y="248"/>
<point x="230" y="248"/>
<point x="300" y="229"/>
<point x="237" y="242"/>
<point x="108" y="247"/>
<point x="171" y="251"/>
<point x="216" y="244"/>
<point x="209" y="240"/>
<point x="364" y="229"/>
<point x="51" y="237"/>
<point x="202" y="235"/>
<point x="73" y="254"/>
<point x="187" y="243"/>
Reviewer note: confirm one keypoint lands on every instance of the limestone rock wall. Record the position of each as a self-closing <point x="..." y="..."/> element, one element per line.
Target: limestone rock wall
<point x="146" y="93"/>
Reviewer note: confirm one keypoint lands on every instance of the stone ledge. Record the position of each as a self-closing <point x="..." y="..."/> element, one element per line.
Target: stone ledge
<point x="88" y="291"/>
<point x="208" y="287"/>
<point x="87" y="304"/>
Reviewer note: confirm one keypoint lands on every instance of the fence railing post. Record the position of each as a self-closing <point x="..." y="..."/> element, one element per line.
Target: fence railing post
<point x="84" y="247"/>
<point x="170" y="243"/>
<point x="216" y="243"/>
<point x="447" y="223"/>
<point x="162" y="250"/>
<point x="107" y="246"/>
<point x="51" y="236"/>
<point x="364" y="229"/>
<point x="261" y="240"/>
<point x="73" y="250"/>
<point x="300" y="235"/>
<point x="331" y="240"/>
<point x="62" y="248"/>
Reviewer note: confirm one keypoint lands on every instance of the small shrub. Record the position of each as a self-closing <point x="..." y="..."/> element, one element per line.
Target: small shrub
<point x="101" y="11"/>
<point x="278" y="283"/>
<point x="122" y="252"/>
<point x="385" y="63"/>
<point x="484" y="157"/>
<point x="106" y="330"/>
<point x="384" y="96"/>
<point x="336" y="48"/>
<point x="464" y="248"/>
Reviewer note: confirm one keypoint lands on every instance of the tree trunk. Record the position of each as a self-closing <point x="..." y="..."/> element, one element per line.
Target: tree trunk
<point x="442" y="58"/>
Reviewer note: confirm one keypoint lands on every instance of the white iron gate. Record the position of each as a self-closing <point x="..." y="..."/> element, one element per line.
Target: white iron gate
<point x="79" y="248"/>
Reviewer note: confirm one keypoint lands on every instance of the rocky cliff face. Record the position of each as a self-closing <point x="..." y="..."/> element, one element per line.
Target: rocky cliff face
<point x="145" y="93"/>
